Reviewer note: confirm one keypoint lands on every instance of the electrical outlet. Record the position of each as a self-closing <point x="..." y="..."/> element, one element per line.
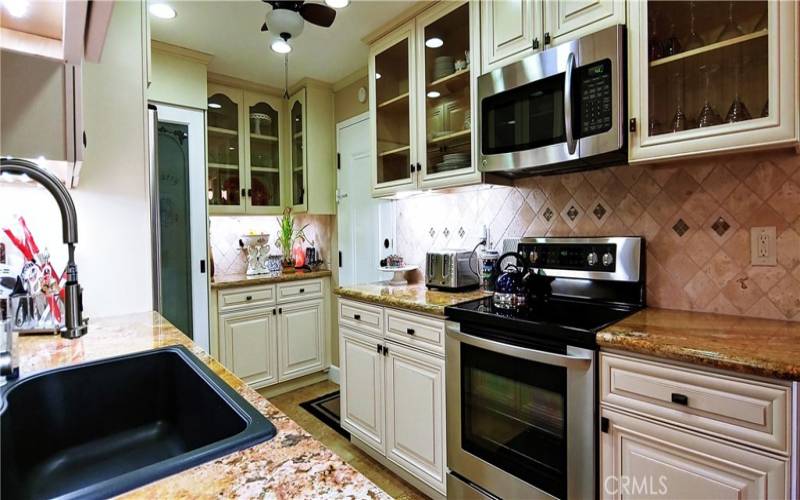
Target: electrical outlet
<point x="763" y="250"/>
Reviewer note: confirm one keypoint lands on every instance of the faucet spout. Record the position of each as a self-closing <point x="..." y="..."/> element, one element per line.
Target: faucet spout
<point x="74" y="325"/>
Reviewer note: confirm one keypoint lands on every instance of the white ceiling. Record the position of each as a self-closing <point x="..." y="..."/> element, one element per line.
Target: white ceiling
<point x="230" y="31"/>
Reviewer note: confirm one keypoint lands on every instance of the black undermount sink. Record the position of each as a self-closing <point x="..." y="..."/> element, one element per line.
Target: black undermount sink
<point x="101" y="428"/>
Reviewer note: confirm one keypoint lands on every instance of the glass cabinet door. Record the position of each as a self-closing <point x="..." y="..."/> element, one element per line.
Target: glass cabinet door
<point x="710" y="75"/>
<point x="445" y="91"/>
<point x="225" y="166"/>
<point x="297" y="150"/>
<point x="391" y="96"/>
<point x="263" y="154"/>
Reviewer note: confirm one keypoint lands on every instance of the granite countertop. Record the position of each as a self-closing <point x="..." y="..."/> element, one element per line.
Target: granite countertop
<point x="414" y="297"/>
<point x="237" y="280"/>
<point x="291" y="465"/>
<point x="768" y="348"/>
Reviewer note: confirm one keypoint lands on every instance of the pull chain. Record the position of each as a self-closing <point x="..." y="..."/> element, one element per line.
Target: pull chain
<point x="286" y="77"/>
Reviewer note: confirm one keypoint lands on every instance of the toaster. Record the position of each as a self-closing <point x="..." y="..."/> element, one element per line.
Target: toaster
<point x="451" y="269"/>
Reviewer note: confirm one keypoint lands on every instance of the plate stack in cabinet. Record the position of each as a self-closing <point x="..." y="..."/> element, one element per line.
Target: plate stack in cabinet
<point x="392" y="387"/>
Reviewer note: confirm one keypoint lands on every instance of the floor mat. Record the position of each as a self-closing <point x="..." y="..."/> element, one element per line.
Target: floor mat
<point x="327" y="408"/>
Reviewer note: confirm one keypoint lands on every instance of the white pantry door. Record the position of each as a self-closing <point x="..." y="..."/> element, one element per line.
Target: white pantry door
<point x="364" y="223"/>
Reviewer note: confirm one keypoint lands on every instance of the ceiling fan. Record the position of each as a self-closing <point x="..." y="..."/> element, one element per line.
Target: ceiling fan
<point x="287" y="18"/>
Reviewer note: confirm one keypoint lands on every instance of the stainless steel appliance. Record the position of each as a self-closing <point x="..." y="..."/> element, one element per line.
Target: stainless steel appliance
<point x="521" y="384"/>
<point x="451" y="269"/>
<point x="561" y="109"/>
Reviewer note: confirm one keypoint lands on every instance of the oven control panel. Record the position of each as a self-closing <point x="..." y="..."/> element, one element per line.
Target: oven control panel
<point x="571" y="256"/>
<point x="595" y="96"/>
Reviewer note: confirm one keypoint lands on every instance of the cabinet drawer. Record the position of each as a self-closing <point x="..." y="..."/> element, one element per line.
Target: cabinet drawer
<point x="415" y="330"/>
<point x="295" y="290"/>
<point x="237" y="297"/>
<point x="751" y="412"/>
<point x="362" y="317"/>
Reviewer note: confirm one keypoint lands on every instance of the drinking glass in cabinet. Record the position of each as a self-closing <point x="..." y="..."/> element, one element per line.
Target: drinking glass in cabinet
<point x="447" y="92"/>
<point x="710" y="68"/>
<point x="392" y="113"/>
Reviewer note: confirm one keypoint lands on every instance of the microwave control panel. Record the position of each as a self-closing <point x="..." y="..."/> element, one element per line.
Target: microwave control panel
<point x="595" y="95"/>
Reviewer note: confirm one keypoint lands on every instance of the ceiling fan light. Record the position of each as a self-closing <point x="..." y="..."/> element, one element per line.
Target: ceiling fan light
<point x="281" y="46"/>
<point x="434" y="42"/>
<point x="337" y="4"/>
<point x="162" y="11"/>
<point x="16" y="8"/>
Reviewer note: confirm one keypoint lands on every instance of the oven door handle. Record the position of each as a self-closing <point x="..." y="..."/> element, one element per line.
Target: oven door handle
<point x="548" y="358"/>
<point x="571" y="143"/>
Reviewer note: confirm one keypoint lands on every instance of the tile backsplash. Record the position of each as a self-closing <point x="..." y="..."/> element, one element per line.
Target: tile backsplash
<point x="225" y="231"/>
<point x="695" y="215"/>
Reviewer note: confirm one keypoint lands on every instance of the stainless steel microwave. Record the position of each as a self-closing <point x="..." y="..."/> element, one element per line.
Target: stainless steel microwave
<point x="559" y="110"/>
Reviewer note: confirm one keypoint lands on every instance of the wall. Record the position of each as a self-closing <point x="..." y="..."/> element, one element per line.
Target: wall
<point x="178" y="80"/>
<point x="695" y="215"/>
<point x="346" y="103"/>
<point x="113" y="253"/>
<point x="225" y="231"/>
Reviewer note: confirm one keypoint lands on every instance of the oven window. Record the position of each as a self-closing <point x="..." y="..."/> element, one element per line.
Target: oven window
<point x="527" y="117"/>
<point x="514" y="416"/>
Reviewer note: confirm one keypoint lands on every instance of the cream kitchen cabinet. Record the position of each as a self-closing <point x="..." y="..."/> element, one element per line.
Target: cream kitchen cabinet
<point x="392" y="389"/>
<point x="422" y="79"/>
<point x="569" y="19"/>
<point x="266" y="334"/>
<point x="720" y="78"/>
<point x="510" y="30"/>
<point x="676" y="432"/>
<point x="300" y="340"/>
<point x="361" y="365"/>
<point x="249" y="340"/>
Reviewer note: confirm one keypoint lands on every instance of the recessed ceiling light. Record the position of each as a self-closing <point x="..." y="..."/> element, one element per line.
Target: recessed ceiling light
<point x="434" y="43"/>
<point x="17" y="8"/>
<point x="162" y="11"/>
<point x="281" y="46"/>
<point x="337" y="4"/>
<point x="377" y="76"/>
<point x="214" y="105"/>
<point x="433" y="94"/>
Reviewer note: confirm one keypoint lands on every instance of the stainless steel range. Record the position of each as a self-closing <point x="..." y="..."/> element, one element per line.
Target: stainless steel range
<point x="521" y="384"/>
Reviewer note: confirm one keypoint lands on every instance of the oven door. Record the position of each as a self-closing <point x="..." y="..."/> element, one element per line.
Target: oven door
<point x="520" y="421"/>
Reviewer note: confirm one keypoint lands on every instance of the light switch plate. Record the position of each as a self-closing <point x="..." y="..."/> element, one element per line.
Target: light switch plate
<point x="763" y="247"/>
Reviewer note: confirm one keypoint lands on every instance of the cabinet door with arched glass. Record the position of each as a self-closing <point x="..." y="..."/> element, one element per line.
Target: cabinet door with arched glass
<point x="297" y="151"/>
<point x="226" y="189"/>
<point x="262" y="153"/>
<point x="711" y="76"/>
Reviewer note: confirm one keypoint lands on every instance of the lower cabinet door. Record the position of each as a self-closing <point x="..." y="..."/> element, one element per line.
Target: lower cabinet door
<point x="301" y="341"/>
<point x="249" y="345"/>
<point x="642" y="459"/>
<point x="361" y="377"/>
<point x="415" y="407"/>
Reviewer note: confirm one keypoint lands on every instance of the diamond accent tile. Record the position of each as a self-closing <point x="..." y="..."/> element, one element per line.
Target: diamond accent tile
<point x="572" y="213"/>
<point x="680" y="227"/>
<point x="432" y="232"/>
<point x="548" y="214"/>
<point x="599" y="211"/>
<point x="720" y="226"/>
<point x="461" y="232"/>
<point x="446" y="232"/>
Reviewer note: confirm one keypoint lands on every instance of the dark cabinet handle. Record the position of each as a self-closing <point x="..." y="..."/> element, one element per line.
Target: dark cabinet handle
<point x="357" y="317"/>
<point x="680" y="399"/>
<point x="249" y="297"/>
<point x="410" y="331"/>
<point x="274" y="312"/>
<point x="280" y="310"/>
<point x="380" y="349"/>
<point x="385" y="350"/>
<point x="413" y="168"/>
<point x="250" y="193"/>
<point x="244" y="192"/>
<point x="536" y="43"/>
<point x="547" y="38"/>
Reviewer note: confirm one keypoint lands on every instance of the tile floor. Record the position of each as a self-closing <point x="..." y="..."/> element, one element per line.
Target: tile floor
<point x="289" y="403"/>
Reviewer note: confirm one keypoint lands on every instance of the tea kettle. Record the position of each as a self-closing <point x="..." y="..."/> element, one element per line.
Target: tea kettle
<point x="517" y="285"/>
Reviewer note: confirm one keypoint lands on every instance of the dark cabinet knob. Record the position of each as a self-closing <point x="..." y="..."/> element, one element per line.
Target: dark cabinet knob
<point x="680" y="399"/>
<point x="249" y="297"/>
<point x="380" y="349"/>
<point x="280" y="310"/>
<point x="274" y="312"/>
<point x="410" y="331"/>
<point x="357" y="317"/>
<point x="302" y="290"/>
<point x="536" y="43"/>
<point x="547" y="38"/>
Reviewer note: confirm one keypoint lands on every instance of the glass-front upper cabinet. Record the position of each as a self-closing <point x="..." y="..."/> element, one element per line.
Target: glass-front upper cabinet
<point x="446" y="78"/>
<point x="263" y="147"/>
<point x="226" y="189"/>
<point x="711" y="75"/>
<point x="298" y="156"/>
<point x="391" y="94"/>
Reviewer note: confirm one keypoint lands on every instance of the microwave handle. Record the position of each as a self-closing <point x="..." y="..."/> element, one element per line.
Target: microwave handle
<point x="571" y="143"/>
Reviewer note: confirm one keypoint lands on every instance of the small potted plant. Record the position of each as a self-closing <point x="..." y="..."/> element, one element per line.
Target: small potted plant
<point x="287" y="236"/>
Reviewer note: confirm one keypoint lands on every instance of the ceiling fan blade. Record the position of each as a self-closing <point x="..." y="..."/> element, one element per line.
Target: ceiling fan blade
<point x="318" y="14"/>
